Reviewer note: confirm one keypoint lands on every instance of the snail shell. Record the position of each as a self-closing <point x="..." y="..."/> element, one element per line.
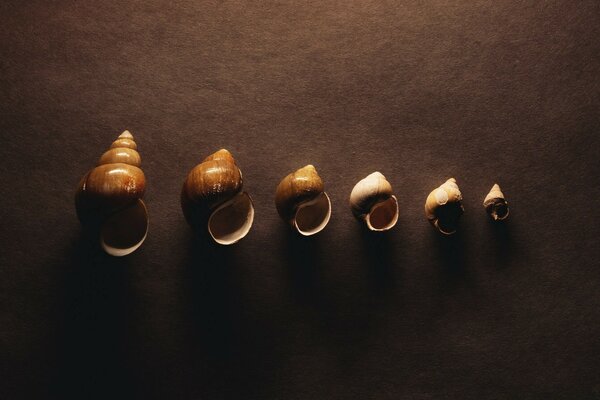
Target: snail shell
<point x="443" y="207"/>
<point x="212" y="196"/>
<point x="301" y="201"/>
<point x="495" y="204"/>
<point x="109" y="198"/>
<point x="372" y="201"/>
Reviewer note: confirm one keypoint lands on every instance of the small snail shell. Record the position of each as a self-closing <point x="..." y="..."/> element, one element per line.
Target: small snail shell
<point x="443" y="207"/>
<point x="109" y="198"/>
<point x="212" y="196"/>
<point x="495" y="204"/>
<point x="301" y="201"/>
<point x="372" y="201"/>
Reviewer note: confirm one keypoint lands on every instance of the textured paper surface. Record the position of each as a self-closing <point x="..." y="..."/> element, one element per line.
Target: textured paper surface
<point x="485" y="92"/>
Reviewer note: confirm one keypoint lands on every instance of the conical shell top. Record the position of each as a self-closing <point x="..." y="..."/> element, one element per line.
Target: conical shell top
<point x="301" y="201"/>
<point x="212" y="198"/>
<point x="495" y="204"/>
<point x="443" y="207"/>
<point x="372" y="200"/>
<point x="109" y="198"/>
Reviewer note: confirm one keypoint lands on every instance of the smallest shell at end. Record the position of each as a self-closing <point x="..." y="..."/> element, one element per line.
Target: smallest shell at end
<point x="495" y="204"/>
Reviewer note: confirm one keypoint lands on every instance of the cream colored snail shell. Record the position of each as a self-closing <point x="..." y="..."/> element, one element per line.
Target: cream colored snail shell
<point x="495" y="204"/>
<point x="443" y="207"/>
<point x="212" y="198"/>
<point x="372" y="201"/>
<point x="301" y="201"/>
<point x="109" y="198"/>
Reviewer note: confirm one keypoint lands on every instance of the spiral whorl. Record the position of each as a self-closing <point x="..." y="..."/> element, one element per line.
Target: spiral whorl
<point x="116" y="182"/>
<point x="123" y="150"/>
<point x="215" y="180"/>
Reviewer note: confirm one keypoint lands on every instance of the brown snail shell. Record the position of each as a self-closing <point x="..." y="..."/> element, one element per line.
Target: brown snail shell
<point x="212" y="196"/>
<point x="443" y="207"/>
<point x="495" y="204"/>
<point x="109" y="198"/>
<point x="372" y="201"/>
<point x="301" y="201"/>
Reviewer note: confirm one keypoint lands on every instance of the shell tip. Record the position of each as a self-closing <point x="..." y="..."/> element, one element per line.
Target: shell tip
<point x="495" y="192"/>
<point x="222" y="154"/>
<point x="308" y="167"/>
<point x="126" y="135"/>
<point x="376" y="174"/>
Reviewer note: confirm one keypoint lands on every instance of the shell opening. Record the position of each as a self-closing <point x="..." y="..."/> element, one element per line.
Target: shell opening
<point x="232" y="220"/>
<point x="498" y="209"/>
<point x="124" y="231"/>
<point x="448" y="216"/>
<point x="383" y="215"/>
<point x="312" y="216"/>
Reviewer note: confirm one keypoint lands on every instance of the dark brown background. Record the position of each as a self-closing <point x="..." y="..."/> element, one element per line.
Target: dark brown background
<point x="483" y="91"/>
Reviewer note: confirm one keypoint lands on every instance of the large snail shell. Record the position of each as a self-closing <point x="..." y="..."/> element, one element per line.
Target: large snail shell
<point x="443" y="207"/>
<point x="495" y="204"/>
<point x="301" y="201"/>
<point x="109" y="198"/>
<point x="372" y="200"/>
<point x="212" y="196"/>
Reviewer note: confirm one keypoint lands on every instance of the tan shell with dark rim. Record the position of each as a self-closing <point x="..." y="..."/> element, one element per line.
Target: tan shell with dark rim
<point x="303" y="189"/>
<point x="443" y="207"/>
<point x="215" y="185"/>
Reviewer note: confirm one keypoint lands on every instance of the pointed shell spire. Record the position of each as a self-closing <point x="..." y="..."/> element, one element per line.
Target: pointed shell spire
<point x="495" y="204"/>
<point x="122" y="150"/>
